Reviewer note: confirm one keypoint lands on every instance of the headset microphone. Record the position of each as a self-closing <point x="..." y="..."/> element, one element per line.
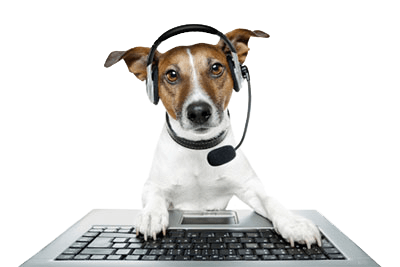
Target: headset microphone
<point x="225" y="154"/>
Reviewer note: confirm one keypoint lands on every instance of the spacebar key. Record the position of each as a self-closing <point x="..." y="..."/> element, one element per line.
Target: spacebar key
<point x="98" y="251"/>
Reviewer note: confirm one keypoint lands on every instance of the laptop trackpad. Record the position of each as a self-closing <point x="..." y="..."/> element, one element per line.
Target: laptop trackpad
<point x="221" y="218"/>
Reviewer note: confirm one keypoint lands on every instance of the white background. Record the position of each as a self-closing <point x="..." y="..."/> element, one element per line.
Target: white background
<point x="324" y="132"/>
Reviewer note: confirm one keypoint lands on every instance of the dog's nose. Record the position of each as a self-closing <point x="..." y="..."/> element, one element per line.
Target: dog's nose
<point x="199" y="112"/>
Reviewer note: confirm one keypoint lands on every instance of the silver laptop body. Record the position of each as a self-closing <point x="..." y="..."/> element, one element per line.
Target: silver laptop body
<point x="192" y="220"/>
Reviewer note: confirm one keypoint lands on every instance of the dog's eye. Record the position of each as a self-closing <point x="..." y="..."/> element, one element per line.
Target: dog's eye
<point x="217" y="69"/>
<point x="172" y="76"/>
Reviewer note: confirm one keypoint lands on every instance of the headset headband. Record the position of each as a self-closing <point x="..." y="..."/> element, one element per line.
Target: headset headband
<point x="152" y="90"/>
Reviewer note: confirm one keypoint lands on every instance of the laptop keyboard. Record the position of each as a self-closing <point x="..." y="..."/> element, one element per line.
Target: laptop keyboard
<point x="121" y="243"/>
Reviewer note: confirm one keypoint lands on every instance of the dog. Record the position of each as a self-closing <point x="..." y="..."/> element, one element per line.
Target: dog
<point x="195" y="87"/>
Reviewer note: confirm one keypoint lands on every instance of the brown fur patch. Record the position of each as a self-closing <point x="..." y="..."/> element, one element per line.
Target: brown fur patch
<point x="173" y="95"/>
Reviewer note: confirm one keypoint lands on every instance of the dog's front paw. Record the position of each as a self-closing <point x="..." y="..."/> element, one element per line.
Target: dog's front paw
<point x="295" y="228"/>
<point x="150" y="222"/>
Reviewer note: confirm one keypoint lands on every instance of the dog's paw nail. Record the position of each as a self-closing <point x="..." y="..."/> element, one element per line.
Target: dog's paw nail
<point x="319" y="242"/>
<point x="154" y="236"/>
<point x="164" y="230"/>
<point x="308" y="244"/>
<point x="291" y="242"/>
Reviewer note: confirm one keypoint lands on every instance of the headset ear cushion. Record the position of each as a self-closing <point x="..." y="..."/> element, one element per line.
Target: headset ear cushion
<point x="155" y="85"/>
<point x="232" y="68"/>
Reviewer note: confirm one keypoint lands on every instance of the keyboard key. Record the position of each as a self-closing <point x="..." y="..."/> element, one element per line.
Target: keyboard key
<point x="135" y="240"/>
<point x="85" y="239"/>
<point x="235" y="245"/>
<point x="201" y="246"/>
<point x="336" y="257"/>
<point x="140" y="252"/>
<point x="78" y="245"/>
<point x="120" y="245"/>
<point x="192" y="234"/>
<point x="313" y="251"/>
<point x="251" y="245"/>
<point x="65" y="257"/>
<point x="226" y="252"/>
<point x="252" y="234"/>
<point x="182" y="258"/>
<point x="318" y="257"/>
<point x="218" y="245"/>
<point x="176" y="233"/>
<point x="295" y="251"/>
<point x="301" y="257"/>
<point x="285" y="257"/>
<point x="233" y="257"/>
<point x="266" y="245"/>
<point x="278" y="251"/>
<point x="81" y="257"/>
<point x="168" y="240"/>
<point x="326" y="243"/>
<point x="261" y="240"/>
<point x="216" y="258"/>
<point x="269" y="257"/>
<point x="214" y="240"/>
<point x="267" y="233"/>
<point x="166" y="258"/>
<point x="123" y="251"/>
<point x="149" y="257"/>
<point x="175" y="252"/>
<point x="114" y="257"/>
<point x="183" y="240"/>
<point x="262" y="251"/>
<point x="237" y="234"/>
<point x="250" y="257"/>
<point x="158" y="251"/>
<point x="207" y="234"/>
<point x="245" y="251"/>
<point x="98" y="257"/>
<point x="132" y="257"/>
<point x="168" y="246"/>
<point x="222" y="234"/>
<point x="208" y="252"/>
<point x="135" y="245"/>
<point x="331" y="251"/>
<point x="193" y="252"/>
<point x="73" y="251"/>
<point x="90" y="234"/>
<point x="152" y="244"/>
<point x="185" y="246"/>
<point x="97" y="251"/>
<point x="200" y="258"/>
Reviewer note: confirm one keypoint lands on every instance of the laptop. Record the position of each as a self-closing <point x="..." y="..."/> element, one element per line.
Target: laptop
<point x="195" y="238"/>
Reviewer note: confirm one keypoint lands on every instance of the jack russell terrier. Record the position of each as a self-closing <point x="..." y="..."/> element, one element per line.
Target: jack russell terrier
<point x="195" y="85"/>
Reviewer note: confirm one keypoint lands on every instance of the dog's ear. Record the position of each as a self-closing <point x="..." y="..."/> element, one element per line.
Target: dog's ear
<point x="135" y="59"/>
<point x="240" y="38"/>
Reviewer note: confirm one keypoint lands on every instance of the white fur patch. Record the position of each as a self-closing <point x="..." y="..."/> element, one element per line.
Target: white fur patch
<point x="197" y="93"/>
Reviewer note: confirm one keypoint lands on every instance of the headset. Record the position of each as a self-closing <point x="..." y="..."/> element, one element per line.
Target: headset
<point x="152" y="70"/>
<point x="222" y="154"/>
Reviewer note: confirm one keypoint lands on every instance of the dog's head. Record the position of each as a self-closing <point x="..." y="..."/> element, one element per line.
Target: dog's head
<point x="194" y="82"/>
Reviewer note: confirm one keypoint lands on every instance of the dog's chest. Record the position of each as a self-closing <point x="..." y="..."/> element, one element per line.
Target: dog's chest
<point x="200" y="186"/>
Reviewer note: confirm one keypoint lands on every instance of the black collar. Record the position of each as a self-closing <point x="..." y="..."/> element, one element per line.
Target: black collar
<point x="197" y="145"/>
